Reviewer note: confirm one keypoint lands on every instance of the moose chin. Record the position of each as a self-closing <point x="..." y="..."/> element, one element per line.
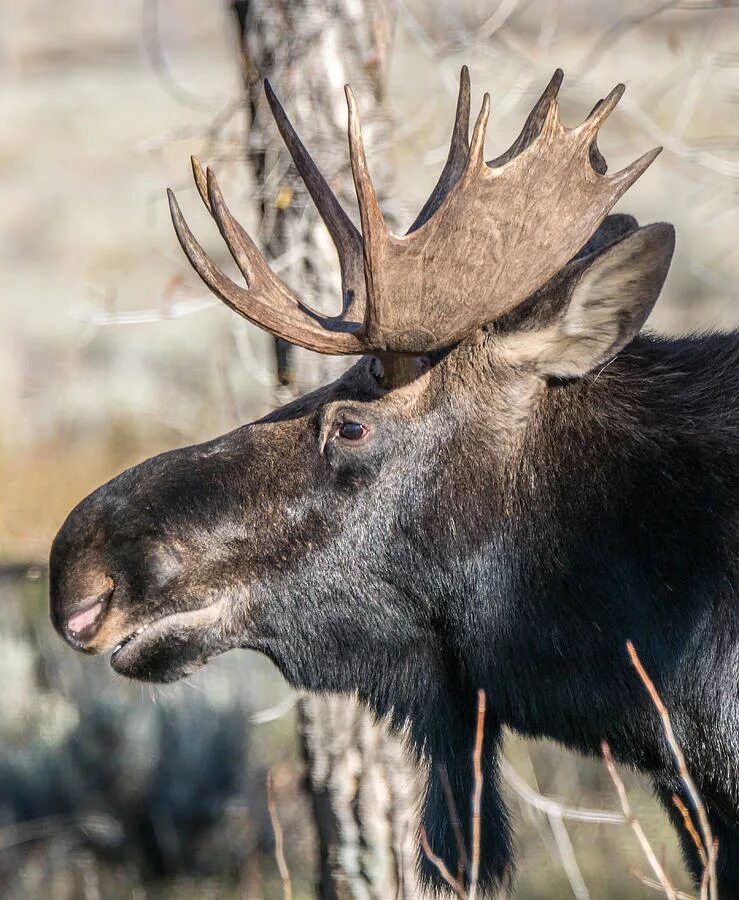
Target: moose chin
<point x="508" y="485"/>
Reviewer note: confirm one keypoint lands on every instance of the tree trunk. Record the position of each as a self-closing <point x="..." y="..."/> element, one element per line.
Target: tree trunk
<point x="364" y="790"/>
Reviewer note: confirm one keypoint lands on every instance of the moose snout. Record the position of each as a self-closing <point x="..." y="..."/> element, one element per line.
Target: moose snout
<point x="86" y="621"/>
<point x="79" y="605"/>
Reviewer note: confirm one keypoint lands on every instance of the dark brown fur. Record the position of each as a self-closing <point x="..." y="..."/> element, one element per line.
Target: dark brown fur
<point x="499" y="526"/>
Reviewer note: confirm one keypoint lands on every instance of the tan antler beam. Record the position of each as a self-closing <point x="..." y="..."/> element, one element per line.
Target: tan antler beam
<point x="489" y="235"/>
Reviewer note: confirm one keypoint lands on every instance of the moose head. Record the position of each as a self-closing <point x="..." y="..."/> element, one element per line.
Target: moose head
<point x="395" y="534"/>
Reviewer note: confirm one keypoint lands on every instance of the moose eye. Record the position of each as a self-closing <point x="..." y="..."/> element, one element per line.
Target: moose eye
<point x="352" y="432"/>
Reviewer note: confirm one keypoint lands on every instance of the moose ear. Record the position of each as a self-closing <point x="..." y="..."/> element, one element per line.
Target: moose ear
<point x="608" y="298"/>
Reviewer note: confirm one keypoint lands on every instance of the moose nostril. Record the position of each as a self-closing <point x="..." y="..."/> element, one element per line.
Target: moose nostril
<point x="84" y="622"/>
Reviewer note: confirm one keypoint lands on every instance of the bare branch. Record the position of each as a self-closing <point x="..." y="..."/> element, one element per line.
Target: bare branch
<point x="651" y="856"/>
<point x="552" y="807"/>
<point x="477" y="794"/>
<point x="625" y="24"/>
<point x="287" y="888"/>
<point x="497" y="20"/>
<point x="272" y="713"/>
<point x="567" y="856"/>
<point x="157" y="59"/>
<point x="685" y="776"/>
<point x="101" y="318"/>
<point x="655" y="885"/>
<point x="100" y="825"/>
<point x="690" y="828"/>
<point x="456" y="824"/>
<point x="440" y="865"/>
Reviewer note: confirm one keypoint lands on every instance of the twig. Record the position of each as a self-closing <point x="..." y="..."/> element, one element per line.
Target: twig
<point x="690" y="828"/>
<point x="685" y="777"/>
<point x="567" y="856"/>
<point x="441" y="866"/>
<point x="655" y="885"/>
<point x="706" y="875"/>
<point x="552" y="807"/>
<point x="153" y="49"/>
<point x="687" y="152"/>
<point x="505" y="882"/>
<point x="625" y="24"/>
<point x="636" y="825"/>
<point x="87" y="864"/>
<point x="555" y="814"/>
<point x="30" y="570"/>
<point x="454" y="818"/>
<point x="477" y="795"/>
<point x="163" y="313"/>
<point x="102" y="826"/>
<point x="497" y="20"/>
<point x="272" y="713"/>
<point x="287" y="888"/>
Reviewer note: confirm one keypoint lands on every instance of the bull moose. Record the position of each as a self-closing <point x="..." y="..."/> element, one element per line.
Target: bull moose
<point x="509" y="484"/>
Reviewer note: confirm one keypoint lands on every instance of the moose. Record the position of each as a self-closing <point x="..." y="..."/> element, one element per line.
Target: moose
<point x="508" y="485"/>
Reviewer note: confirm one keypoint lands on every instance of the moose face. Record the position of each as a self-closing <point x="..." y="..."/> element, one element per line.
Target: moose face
<point x="329" y="534"/>
<point x="190" y="553"/>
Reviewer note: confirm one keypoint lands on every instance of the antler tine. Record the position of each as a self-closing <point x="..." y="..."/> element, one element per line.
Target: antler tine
<point x="373" y="222"/>
<point x="201" y="180"/>
<point x="489" y="236"/>
<point x="459" y="145"/>
<point x="219" y="283"/>
<point x="241" y="247"/>
<point x="600" y="113"/>
<point x="268" y="302"/>
<point x="534" y="121"/>
<point x="626" y="177"/>
<point x="457" y="158"/>
<point x="346" y="238"/>
<point x="477" y="146"/>
<point x="343" y="233"/>
<point x="374" y="230"/>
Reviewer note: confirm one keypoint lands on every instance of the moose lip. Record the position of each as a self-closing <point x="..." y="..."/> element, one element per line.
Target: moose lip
<point x="129" y="639"/>
<point x="150" y="640"/>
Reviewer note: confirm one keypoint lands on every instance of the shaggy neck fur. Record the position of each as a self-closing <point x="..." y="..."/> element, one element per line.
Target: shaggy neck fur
<point x="614" y="522"/>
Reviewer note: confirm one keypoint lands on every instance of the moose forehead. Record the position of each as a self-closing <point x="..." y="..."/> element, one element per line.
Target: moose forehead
<point x="364" y="385"/>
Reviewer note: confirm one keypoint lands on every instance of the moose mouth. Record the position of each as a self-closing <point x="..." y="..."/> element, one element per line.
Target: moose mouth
<point x="172" y="647"/>
<point x="126" y="641"/>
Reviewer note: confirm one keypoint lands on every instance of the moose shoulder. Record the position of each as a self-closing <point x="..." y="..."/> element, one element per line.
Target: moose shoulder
<point x="509" y="484"/>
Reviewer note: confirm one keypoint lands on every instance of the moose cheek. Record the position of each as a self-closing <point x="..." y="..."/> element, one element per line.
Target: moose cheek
<point x="165" y="564"/>
<point x="355" y="466"/>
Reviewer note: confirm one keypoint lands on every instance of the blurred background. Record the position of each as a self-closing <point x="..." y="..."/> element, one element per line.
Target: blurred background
<point x="111" y="350"/>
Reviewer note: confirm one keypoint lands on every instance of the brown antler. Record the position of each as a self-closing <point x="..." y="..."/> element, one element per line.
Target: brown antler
<point x="489" y="235"/>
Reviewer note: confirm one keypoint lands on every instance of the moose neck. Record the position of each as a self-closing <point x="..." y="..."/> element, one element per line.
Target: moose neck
<point x="560" y="545"/>
<point x="611" y="526"/>
<point x="528" y="563"/>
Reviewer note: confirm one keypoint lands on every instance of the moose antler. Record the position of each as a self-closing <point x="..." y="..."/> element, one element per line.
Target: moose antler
<point x="489" y="235"/>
